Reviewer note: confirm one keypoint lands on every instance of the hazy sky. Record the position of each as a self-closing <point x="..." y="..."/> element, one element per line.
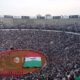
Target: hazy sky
<point x="34" y="7"/>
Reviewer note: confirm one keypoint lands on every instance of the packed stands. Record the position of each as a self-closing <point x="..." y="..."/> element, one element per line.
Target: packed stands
<point x="62" y="50"/>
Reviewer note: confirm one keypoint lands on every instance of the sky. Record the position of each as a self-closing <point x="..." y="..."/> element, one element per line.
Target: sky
<point x="43" y="7"/>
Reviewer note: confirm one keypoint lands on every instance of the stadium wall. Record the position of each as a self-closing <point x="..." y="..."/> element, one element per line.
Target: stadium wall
<point x="10" y="22"/>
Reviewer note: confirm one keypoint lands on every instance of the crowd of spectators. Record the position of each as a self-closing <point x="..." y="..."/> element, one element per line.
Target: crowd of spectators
<point x="62" y="50"/>
<point x="73" y="27"/>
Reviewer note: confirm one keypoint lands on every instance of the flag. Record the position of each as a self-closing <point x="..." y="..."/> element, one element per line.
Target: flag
<point x="34" y="61"/>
